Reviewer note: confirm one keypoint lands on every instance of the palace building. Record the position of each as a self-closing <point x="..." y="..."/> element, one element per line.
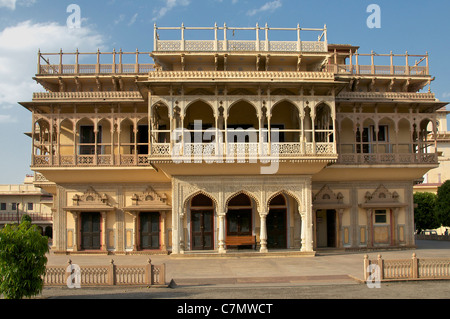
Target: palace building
<point x="224" y="144"/>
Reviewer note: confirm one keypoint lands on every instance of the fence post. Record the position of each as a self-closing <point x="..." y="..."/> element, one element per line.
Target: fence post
<point x="380" y="263"/>
<point x="148" y="272"/>
<point x="366" y="265"/>
<point x="415" y="267"/>
<point x="69" y="262"/>
<point x="112" y="273"/>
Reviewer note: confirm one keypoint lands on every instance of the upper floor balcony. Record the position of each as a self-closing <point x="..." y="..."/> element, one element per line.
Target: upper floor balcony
<point x="240" y="132"/>
<point x="386" y="138"/>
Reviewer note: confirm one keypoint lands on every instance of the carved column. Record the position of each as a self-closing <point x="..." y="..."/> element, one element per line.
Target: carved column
<point x="76" y="218"/>
<point x="221" y="238"/>
<point x="263" y="232"/>
<point x="163" y="231"/>
<point x="135" y="231"/>
<point x="339" y="232"/>
<point x="307" y="221"/>
<point x="369" y="228"/>
<point x="181" y="233"/>
<point x="103" y="243"/>
<point x="395" y="211"/>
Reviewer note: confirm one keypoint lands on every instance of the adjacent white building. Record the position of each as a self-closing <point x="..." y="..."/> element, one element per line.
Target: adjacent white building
<point x="17" y="200"/>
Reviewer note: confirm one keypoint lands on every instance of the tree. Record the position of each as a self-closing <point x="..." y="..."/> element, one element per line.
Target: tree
<point x="424" y="211"/>
<point x="22" y="260"/>
<point x="25" y="218"/>
<point x="442" y="208"/>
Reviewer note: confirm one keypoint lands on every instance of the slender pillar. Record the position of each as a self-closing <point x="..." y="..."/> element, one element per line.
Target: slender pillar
<point x="221" y="238"/>
<point x="135" y="246"/>
<point x="263" y="232"/>
<point x="76" y="217"/>
<point x="103" y="243"/>
<point x="181" y="233"/>
<point x="340" y="214"/>
<point x="163" y="244"/>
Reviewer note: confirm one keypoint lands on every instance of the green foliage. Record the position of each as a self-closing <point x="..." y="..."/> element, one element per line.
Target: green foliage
<point x="424" y="215"/>
<point x="443" y="204"/>
<point x="22" y="260"/>
<point x="25" y="218"/>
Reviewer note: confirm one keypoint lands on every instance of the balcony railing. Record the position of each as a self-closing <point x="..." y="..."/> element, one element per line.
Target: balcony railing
<point x="35" y="217"/>
<point x="48" y="65"/>
<point x="387" y="158"/>
<point x="193" y="152"/>
<point x="359" y="64"/>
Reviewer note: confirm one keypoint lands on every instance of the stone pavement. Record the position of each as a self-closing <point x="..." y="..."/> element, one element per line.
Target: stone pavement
<point x="327" y="267"/>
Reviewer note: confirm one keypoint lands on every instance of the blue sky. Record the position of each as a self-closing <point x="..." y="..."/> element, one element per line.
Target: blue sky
<point x="29" y="25"/>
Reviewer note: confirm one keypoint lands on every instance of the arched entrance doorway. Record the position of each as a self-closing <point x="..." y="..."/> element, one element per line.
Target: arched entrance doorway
<point x="202" y="223"/>
<point x="239" y="218"/>
<point x="277" y="223"/>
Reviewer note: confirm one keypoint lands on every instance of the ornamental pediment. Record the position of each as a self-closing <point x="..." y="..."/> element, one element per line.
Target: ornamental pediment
<point x="327" y="196"/>
<point x="381" y="195"/>
<point x="149" y="200"/>
<point x="90" y="200"/>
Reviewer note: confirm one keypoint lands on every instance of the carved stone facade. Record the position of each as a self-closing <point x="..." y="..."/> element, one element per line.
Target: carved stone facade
<point x="220" y="145"/>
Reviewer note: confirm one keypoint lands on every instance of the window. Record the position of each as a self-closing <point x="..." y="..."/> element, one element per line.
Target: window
<point x="30" y="206"/>
<point x="380" y="216"/>
<point x="14" y="206"/>
<point x="368" y="138"/>
<point x="87" y="137"/>
<point x="2" y="206"/>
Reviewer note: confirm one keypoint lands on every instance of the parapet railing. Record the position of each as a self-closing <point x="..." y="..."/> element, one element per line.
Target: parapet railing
<point x="16" y="217"/>
<point x="109" y="275"/>
<point x="407" y="269"/>
<point x="227" y="45"/>
<point x="115" y="63"/>
<point x="369" y="64"/>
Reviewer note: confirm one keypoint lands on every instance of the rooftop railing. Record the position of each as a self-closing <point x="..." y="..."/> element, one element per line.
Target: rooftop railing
<point x="226" y="45"/>
<point x="369" y="64"/>
<point x="118" y="62"/>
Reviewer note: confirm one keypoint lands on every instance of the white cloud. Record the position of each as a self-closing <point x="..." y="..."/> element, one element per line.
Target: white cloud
<point x="19" y="46"/>
<point x="169" y="5"/>
<point x="11" y="4"/>
<point x="269" y="6"/>
<point x="133" y="20"/>
<point x="7" y="119"/>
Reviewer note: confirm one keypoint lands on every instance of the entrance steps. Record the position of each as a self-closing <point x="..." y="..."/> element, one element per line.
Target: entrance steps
<point x="237" y="253"/>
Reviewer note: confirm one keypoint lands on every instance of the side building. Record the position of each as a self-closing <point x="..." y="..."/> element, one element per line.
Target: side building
<point x="18" y="200"/>
<point x="210" y="145"/>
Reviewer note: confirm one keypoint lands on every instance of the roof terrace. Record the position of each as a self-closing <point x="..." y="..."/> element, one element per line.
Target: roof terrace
<point x="225" y="44"/>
